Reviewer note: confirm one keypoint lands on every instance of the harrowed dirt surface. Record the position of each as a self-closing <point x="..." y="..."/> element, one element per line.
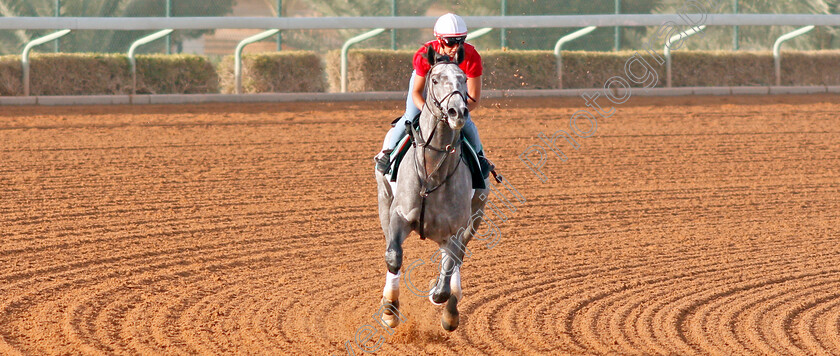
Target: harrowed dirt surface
<point x="686" y="225"/>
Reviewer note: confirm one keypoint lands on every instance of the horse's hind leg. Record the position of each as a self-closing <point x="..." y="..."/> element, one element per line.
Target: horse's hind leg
<point x="442" y="288"/>
<point x="385" y="198"/>
<point x="452" y="253"/>
<point x="458" y="247"/>
<point x="399" y="228"/>
<point x="450" y="318"/>
<point x="448" y="289"/>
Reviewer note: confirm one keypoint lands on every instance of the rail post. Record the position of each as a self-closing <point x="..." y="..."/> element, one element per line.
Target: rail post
<point x="57" y="14"/>
<point x="777" y="49"/>
<point x="237" y="66"/>
<point x="393" y="30"/>
<point x="503" y="34"/>
<point x="735" y="28"/>
<point x="617" y="28"/>
<point x="168" y="38"/>
<point x="24" y="58"/>
<point x="691" y="32"/>
<point x="279" y="35"/>
<point x="558" y="47"/>
<point x="346" y="47"/>
<point x="133" y="49"/>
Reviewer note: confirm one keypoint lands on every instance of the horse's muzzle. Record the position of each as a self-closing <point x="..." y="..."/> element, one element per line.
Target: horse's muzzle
<point x="457" y="116"/>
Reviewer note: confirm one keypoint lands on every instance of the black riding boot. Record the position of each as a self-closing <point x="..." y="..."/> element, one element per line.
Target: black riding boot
<point x="485" y="164"/>
<point x="383" y="161"/>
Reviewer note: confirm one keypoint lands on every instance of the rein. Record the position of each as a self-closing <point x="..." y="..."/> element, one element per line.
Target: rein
<point x="449" y="149"/>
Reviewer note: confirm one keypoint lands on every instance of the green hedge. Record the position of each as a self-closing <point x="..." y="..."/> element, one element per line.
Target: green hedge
<point x="722" y="68"/>
<point x="371" y="70"/>
<point x="592" y="69"/>
<point x="281" y="72"/>
<point x="10" y="76"/>
<point x="811" y="68"/>
<point x="375" y="70"/>
<point x="708" y="68"/>
<point x="108" y="74"/>
<point x="385" y="70"/>
<point x="519" y="70"/>
<point x="79" y="74"/>
<point x="175" y="74"/>
<point x="382" y="70"/>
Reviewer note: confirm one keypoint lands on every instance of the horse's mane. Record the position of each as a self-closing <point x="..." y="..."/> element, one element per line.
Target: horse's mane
<point x="436" y="58"/>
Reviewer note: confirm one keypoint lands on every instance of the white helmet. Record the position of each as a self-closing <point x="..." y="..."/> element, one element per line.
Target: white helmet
<point x="450" y="25"/>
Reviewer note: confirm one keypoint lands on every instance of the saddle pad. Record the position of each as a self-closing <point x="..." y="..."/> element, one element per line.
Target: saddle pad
<point x="467" y="154"/>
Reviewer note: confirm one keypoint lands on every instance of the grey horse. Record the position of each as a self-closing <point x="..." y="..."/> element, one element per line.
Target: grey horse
<point x="433" y="194"/>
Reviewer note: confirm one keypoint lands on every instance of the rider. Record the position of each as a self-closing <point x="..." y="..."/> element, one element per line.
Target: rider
<point x="450" y="34"/>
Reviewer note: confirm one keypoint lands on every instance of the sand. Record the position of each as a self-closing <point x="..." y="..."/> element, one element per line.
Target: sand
<point x="689" y="225"/>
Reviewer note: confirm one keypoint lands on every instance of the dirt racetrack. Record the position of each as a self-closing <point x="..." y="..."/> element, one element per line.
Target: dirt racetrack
<point x="690" y="225"/>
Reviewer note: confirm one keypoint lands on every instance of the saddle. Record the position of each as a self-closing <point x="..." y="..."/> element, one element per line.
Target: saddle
<point x="468" y="155"/>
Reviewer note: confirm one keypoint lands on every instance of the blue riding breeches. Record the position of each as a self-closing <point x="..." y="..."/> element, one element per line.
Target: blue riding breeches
<point x="398" y="131"/>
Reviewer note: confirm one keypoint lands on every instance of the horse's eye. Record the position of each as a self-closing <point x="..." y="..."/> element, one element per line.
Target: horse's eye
<point x="434" y="81"/>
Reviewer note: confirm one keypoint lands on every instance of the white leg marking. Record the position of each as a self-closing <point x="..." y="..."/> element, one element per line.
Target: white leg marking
<point x="392" y="286"/>
<point x="455" y="283"/>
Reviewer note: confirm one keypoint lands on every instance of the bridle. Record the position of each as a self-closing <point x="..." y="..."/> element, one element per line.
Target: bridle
<point x="419" y="142"/>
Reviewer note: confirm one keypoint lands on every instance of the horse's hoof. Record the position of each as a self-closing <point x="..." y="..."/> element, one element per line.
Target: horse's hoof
<point x="391" y="320"/>
<point x="450" y="319"/>
<point x="441" y="297"/>
<point x="388" y="316"/>
<point x="435" y="297"/>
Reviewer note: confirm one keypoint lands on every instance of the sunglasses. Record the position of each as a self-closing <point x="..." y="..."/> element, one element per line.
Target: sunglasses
<point x="452" y="41"/>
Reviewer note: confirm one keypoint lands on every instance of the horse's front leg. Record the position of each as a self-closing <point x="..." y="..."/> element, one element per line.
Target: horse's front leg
<point x="399" y="229"/>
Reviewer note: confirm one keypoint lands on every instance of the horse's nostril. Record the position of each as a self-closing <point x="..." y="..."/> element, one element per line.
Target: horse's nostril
<point x="452" y="112"/>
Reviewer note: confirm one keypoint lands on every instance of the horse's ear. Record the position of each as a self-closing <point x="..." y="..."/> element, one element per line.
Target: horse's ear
<point x="431" y="55"/>
<point x="459" y="56"/>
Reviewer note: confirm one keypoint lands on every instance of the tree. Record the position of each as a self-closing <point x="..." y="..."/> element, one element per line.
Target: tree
<point x="324" y="40"/>
<point x="12" y="41"/>
<point x="762" y="37"/>
<point x="716" y="37"/>
<point x="544" y="38"/>
<point x="145" y="8"/>
<point x="104" y="41"/>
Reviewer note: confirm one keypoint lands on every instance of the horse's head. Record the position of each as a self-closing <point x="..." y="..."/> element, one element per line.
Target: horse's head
<point x="447" y="88"/>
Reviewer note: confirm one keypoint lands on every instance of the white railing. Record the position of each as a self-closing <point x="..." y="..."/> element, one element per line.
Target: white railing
<point x="413" y="22"/>
<point x="404" y="22"/>
<point x="24" y="58"/>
